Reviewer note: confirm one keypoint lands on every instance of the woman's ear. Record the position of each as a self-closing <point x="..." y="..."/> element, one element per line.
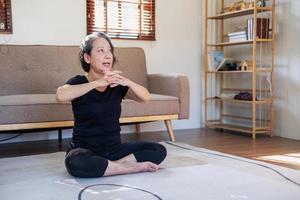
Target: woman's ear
<point x="86" y="58"/>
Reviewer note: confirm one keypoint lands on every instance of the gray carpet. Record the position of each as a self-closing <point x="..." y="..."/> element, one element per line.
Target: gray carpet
<point x="190" y="174"/>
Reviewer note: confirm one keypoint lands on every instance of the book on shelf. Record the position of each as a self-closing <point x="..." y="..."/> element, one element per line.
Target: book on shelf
<point x="262" y="30"/>
<point x="234" y="34"/>
<point x="214" y="59"/>
<point x="249" y="29"/>
<point x="238" y="39"/>
<point x="237" y="36"/>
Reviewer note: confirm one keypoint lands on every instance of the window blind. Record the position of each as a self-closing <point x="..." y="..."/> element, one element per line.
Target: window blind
<point x="127" y="19"/>
<point x="5" y="16"/>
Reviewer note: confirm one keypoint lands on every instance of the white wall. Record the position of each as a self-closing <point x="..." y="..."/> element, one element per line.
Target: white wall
<point x="177" y="48"/>
<point x="55" y="22"/>
<point x="287" y="63"/>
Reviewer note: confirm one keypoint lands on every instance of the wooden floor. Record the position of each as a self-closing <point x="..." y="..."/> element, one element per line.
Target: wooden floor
<point x="276" y="150"/>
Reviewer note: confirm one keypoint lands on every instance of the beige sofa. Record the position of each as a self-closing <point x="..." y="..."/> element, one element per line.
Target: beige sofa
<point x="30" y="75"/>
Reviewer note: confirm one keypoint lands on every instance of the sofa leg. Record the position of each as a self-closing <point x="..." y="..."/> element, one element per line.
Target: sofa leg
<point x="137" y="132"/>
<point x="170" y="130"/>
<point x="59" y="137"/>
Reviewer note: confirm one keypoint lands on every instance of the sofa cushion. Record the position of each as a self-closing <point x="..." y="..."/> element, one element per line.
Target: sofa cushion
<point x="27" y="99"/>
<point x="40" y="69"/>
<point x="132" y="62"/>
<point x="33" y="108"/>
<point x="36" y="69"/>
<point x="159" y="105"/>
<point x="36" y="108"/>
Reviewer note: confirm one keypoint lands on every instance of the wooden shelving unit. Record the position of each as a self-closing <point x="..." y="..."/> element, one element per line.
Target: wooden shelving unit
<point x="240" y="43"/>
<point x="246" y="71"/>
<point x="254" y="116"/>
<point x="249" y="11"/>
<point x="243" y="129"/>
<point x="230" y="100"/>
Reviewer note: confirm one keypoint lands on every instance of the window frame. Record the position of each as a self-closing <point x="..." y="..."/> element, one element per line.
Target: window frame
<point x="6" y="17"/>
<point x="143" y="5"/>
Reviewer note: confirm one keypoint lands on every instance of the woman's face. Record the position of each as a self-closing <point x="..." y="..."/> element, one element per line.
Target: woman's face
<point x="101" y="58"/>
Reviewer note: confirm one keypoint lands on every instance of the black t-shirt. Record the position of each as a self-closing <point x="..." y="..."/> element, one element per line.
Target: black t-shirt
<point x="96" y="117"/>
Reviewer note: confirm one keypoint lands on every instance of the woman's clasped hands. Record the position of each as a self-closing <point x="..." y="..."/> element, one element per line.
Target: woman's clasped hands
<point x="112" y="79"/>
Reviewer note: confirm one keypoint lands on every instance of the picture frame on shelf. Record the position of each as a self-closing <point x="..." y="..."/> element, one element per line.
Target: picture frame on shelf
<point x="215" y="58"/>
<point x="225" y="62"/>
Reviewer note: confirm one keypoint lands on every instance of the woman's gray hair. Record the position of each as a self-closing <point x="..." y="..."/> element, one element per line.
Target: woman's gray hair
<point x="86" y="46"/>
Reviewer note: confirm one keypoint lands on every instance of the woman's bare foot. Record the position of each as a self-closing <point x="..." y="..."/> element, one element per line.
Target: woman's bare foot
<point x="147" y="167"/>
<point x="115" y="168"/>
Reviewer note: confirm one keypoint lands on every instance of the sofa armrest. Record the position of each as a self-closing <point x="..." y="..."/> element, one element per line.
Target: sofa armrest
<point x="173" y="85"/>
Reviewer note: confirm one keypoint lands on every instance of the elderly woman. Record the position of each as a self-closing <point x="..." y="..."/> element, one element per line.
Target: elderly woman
<point x="96" y="149"/>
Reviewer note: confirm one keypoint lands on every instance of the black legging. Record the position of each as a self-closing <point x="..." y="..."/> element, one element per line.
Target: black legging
<point x="82" y="162"/>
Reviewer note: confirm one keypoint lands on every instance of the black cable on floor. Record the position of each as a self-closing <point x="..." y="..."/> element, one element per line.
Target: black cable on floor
<point x="225" y="156"/>
<point x="126" y="186"/>
<point x="9" y="138"/>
